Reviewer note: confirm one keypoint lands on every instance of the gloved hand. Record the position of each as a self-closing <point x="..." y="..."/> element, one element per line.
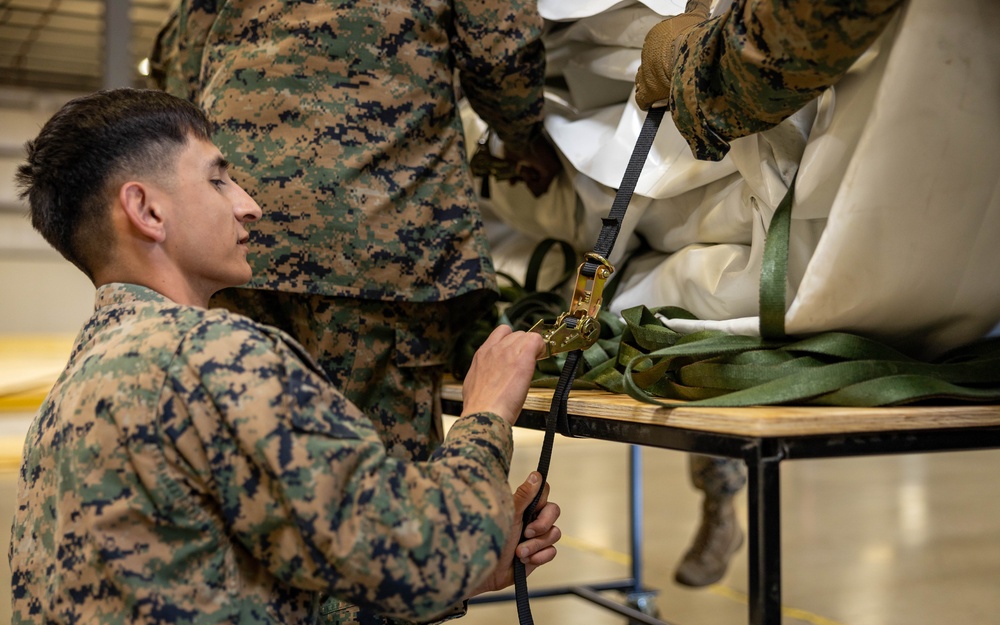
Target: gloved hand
<point x="659" y="53"/>
<point x="536" y="165"/>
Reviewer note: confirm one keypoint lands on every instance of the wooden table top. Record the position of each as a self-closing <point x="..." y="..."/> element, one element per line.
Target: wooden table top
<point x="764" y="421"/>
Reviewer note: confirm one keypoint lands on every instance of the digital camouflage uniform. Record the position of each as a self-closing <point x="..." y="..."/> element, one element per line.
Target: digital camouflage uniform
<point x="194" y="466"/>
<point x="341" y="121"/>
<point x="749" y="68"/>
<point x="371" y="352"/>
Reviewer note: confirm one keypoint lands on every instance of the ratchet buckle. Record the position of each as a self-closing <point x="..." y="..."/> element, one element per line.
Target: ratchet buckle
<point x="566" y="336"/>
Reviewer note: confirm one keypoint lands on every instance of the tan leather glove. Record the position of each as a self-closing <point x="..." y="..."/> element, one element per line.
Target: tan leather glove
<point x="659" y="53"/>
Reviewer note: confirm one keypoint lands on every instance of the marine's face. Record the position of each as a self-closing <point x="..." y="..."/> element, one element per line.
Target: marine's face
<point x="206" y="234"/>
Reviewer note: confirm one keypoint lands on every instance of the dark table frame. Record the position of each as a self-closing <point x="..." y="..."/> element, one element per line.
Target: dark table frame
<point x="763" y="456"/>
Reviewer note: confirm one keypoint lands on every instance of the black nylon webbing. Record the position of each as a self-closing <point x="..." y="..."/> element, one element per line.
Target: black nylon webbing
<point x="556" y="420"/>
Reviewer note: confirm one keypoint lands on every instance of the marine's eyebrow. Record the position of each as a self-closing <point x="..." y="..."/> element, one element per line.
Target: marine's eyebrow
<point x="219" y="164"/>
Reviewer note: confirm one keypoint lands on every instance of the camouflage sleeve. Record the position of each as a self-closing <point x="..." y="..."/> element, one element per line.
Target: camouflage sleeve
<point x="176" y="58"/>
<point x="304" y="482"/>
<point x="500" y="57"/>
<point x="748" y="69"/>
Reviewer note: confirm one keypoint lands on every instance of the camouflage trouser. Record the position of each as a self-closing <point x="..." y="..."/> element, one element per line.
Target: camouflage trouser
<point x="717" y="476"/>
<point x="386" y="357"/>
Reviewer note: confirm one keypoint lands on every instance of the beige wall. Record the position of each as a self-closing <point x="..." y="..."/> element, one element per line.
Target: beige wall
<point x="39" y="291"/>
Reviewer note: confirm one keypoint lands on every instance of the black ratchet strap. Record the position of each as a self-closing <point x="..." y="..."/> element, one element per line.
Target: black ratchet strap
<point x="556" y="420"/>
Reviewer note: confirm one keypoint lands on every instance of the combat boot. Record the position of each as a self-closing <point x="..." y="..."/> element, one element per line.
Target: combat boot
<point x="718" y="538"/>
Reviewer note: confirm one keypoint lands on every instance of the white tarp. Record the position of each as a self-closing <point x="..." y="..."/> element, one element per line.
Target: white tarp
<point x="896" y="223"/>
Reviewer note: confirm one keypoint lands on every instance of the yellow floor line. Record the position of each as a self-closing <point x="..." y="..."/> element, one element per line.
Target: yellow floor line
<point x="796" y="613"/>
<point x="29" y="366"/>
<point x="608" y="554"/>
<point x="10" y="462"/>
<point x="25" y="401"/>
<point x="717" y="589"/>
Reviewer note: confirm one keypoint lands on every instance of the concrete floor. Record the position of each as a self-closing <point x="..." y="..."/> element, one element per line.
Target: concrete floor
<point x="894" y="540"/>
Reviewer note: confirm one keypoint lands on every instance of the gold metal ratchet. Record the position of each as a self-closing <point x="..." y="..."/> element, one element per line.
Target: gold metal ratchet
<point x="586" y="303"/>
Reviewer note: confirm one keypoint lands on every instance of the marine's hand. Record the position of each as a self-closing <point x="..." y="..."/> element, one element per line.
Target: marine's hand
<point x="536" y="165"/>
<point x="500" y="373"/>
<point x="659" y="53"/>
<point x="540" y="536"/>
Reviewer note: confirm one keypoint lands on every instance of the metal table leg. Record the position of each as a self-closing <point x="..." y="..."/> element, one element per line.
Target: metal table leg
<point x="764" y="512"/>
<point x="639" y="597"/>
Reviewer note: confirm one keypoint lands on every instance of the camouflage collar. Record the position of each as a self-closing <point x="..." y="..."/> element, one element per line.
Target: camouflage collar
<point x="118" y="293"/>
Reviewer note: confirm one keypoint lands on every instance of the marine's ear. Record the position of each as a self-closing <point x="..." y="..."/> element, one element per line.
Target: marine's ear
<point x="138" y="201"/>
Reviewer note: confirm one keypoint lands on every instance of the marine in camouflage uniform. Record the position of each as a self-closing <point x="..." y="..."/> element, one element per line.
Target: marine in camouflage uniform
<point x="192" y="465"/>
<point x="341" y="121"/>
<point x="736" y="74"/>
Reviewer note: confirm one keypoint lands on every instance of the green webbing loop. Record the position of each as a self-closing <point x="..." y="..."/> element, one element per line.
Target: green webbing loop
<point x="774" y="269"/>
<point x="712" y="368"/>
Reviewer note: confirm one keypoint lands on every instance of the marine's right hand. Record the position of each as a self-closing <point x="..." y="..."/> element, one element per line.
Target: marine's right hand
<point x="654" y="79"/>
<point x="501" y="371"/>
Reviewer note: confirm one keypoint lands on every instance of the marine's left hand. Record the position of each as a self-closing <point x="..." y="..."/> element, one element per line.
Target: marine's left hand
<point x="540" y="536"/>
<point x="536" y="165"/>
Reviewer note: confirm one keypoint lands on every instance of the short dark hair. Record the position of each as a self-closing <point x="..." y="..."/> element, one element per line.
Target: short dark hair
<point x="90" y="145"/>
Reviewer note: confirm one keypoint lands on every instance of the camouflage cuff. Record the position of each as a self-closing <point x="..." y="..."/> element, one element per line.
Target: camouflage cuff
<point x="483" y="431"/>
<point x="523" y="141"/>
<point x="691" y="84"/>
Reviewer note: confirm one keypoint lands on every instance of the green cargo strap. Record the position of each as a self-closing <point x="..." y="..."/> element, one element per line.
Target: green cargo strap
<point x="712" y="368"/>
<point x="639" y="355"/>
<point x="774" y="269"/>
